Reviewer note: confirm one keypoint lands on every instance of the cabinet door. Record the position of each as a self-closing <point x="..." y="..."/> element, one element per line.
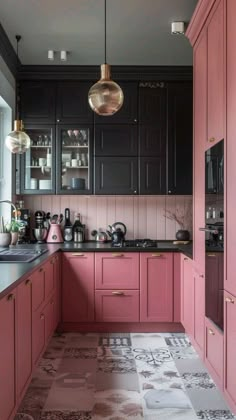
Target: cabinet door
<point x="128" y="113"/>
<point x="200" y="135"/>
<point x="49" y="277"/>
<point x="78" y="287"/>
<point x="229" y="348"/>
<point x="24" y="337"/>
<point x="116" y="175"/>
<point x="38" y="288"/>
<point x="38" y="162"/>
<point x="152" y="139"/>
<point x="74" y="153"/>
<point x="38" y="101"/>
<point x="214" y="351"/>
<point x="187" y="295"/>
<point x="116" y="140"/>
<point x="215" y="74"/>
<point x="156" y="287"/>
<point x="199" y="310"/>
<point x="38" y="334"/>
<point x="152" y="175"/>
<point x="152" y="103"/>
<point x="117" y="270"/>
<point x="7" y="359"/>
<point x="214" y="287"/>
<point x="57" y="280"/>
<point x="180" y="137"/>
<point x="72" y="102"/>
<point x="49" y="312"/>
<point x="117" y="305"/>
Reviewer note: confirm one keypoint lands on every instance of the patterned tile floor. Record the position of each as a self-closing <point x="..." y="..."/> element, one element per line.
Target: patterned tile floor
<point x="122" y="377"/>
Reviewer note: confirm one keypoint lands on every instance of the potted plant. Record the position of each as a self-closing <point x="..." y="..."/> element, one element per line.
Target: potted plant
<point x="9" y="232"/>
<point x="5" y="235"/>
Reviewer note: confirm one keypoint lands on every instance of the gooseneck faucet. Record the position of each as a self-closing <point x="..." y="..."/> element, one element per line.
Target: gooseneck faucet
<point x="11" y="204"/>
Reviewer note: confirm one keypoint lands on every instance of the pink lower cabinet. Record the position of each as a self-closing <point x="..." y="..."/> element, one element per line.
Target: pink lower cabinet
<point x="156" y="287"/>
<point x="78" y="287"/>
<point x="24" y="336"/>
<point x="117" y="270"/>
<point x="187" y="295"/>
<point x="7" y="359"/>
<point x="199" y="309"/>
<point x="117" y="305"/>
<point x="214" y="342"/>
<point x="229" y="349"/>
<point x="38" y="334"/>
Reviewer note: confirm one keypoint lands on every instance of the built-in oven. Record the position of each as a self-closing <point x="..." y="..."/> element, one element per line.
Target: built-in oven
<point x="214" y="232"/>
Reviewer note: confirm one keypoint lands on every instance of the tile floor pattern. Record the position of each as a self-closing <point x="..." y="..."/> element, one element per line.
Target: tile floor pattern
<point x="154" y="376"/>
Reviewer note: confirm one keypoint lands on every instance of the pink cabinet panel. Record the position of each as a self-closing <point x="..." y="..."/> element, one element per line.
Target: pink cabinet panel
<point x="187" y="295"/>
<point x="57" y="280"/>
<point x="214" y="351"/>
<point x="49" y="276"/>
<point x="24" y="336"/>
<point x="38" y="334"/>
<point x="49" y="313"/>
<point x="117" y="305"/>
<point x="38" y="288"/>
<point x="177" y="287"/>
<point x="216" y="74"/>
<point x="199" y="309"/>
<point x="7" y="359"/>
<point x="119" y="270"/>
<point x="78" y="287"/>
<point x="230" y="346"/>
<point x="156" y="287"/>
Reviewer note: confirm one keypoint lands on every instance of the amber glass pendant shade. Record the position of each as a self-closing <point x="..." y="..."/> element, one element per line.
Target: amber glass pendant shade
<point x="17" y="141"/>
<point x="105" y="97"/>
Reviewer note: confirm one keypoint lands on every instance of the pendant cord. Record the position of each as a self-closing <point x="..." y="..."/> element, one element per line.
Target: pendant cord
<point x="105" y="21"/>
<point x="17" y="113"/>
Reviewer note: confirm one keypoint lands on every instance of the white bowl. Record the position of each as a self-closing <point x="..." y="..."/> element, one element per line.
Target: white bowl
<point x="45" y="184"/>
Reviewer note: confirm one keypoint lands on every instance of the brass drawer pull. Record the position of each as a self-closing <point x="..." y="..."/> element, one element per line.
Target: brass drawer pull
<point x="211" y="139"/>
<point x="118" y="293"/>
<point x="185" y="258"/>
<point x="77" y="254"/>
<point x="42" y="316"/>
<point x="156" y="255"/>
<point x="229" y="300"/>
<point x="211" y="332"/>
<point x="117" y="255"/>
<point x="10" y="297"/>
<point x="201" y="275"/>
<point x="211" y="255"/>
<point x="27" y="282"/>
<point x="52" y="302"/>
<point x="40" y="270"/>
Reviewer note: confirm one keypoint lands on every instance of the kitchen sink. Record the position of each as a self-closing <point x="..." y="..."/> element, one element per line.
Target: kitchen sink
<point x="20" y="255"/>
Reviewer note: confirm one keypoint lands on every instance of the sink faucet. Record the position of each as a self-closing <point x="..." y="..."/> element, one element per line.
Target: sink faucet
<point x="12" y="204"/>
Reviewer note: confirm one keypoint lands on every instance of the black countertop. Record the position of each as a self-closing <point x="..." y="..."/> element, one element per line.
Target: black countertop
<point x="11" y="274"/>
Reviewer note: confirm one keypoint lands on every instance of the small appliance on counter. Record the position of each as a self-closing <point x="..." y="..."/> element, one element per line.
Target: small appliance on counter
<point x="78" y="229"/>
<point x="55" y="234"/>
<point x="99" y="235"/>
<point x="68" y="228"/>
<point x="40" y="234"/>
<point x="117" y="234"/>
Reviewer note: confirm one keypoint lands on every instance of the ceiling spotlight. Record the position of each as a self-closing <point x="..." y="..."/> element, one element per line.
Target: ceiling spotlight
<point x="63" y="55"/>
<point x="177" y="28"/>
<point x="50" y="55"/>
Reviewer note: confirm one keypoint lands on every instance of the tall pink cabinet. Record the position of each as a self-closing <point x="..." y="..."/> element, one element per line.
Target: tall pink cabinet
<point x="212" y="33"/>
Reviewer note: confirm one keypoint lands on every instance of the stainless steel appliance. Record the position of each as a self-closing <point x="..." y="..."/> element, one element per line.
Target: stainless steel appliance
<point x="139" y="243"/>
<point x="117" y="233"/>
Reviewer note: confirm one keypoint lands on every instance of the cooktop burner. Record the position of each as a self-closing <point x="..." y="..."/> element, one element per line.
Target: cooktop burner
<point x="140" y="243"/>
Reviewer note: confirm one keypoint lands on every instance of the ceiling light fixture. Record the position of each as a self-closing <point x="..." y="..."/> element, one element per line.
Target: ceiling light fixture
<point x="50" y="55"/>
<point x="17" y="141"/>
<point x="177" y="28"/>
<point x="63" y="55"/>
<point x="105" y="97"/>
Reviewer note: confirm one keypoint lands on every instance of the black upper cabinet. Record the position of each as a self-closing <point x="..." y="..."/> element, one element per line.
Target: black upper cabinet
<point x="180" y="138"/>
<point x="129" y="110"/>
<point x="152" y="177"/>
<point x="116" y="140"/>
<point x="116" y="175"/>
<point x="152" y="102"/>
<point x="72" y="103"/>
<point x="152" y="139"/>
<point x="37" y="101"/>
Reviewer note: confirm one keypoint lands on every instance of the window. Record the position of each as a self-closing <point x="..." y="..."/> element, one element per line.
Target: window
<point x="5" y="157"/>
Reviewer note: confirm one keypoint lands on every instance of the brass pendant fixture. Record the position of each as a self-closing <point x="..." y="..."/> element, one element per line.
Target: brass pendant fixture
<point x="17" y="141"/>
<point x="105" y="97"/>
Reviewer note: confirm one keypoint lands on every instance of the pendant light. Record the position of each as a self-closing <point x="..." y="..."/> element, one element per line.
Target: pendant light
<point x="17" y="141"/>
<point x="105" y="97"/>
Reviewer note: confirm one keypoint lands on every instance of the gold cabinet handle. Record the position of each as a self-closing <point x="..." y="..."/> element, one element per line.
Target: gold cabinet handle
<point x="77" y="254"/>
<point x="210" y="331"/>
<point x="27" y="282"/>
<point x="156" y="255"/>
<point x="10" y="297"/>
<point x="185" y="258"/>
<point x="211" y="139"/>
<point x="211" y="255"/>
<point x="118" y="293"/>
<point x="117" y="255"/>
<point x="40" y="270"/>
<point x="42" y="316"/>
<point x="52" y="302"/>
<point x="201" y="275"/>
<point x="229" y="300"/>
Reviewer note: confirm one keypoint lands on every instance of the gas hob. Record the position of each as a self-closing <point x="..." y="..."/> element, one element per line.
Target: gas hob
<point x="138" y="243"/>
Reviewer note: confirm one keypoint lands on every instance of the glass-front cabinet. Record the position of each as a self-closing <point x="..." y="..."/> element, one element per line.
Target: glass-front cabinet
<point x="38" y="163"/>
<point x="74" y="159"/>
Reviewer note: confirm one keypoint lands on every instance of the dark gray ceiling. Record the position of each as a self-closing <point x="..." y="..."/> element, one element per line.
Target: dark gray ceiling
<point x="138" y="31"/>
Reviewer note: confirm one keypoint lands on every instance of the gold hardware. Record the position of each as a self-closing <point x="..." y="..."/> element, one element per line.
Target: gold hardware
<point x="118" y="293"/>
<point x="211" y="332"/>
<point x="211" y="255"/>
<point x="40" y="270"/>
<point x="117" y="255"/>
<point x="156" y="255"/>
<point x="42" y="316"/>
<point x="77" y="255"/>
<point x="229" y="300"/>
<point x="201" y="275"/>
<point x="212" y="139"/>
<point x="185" y="258"/>
<point x="27" y="282"/>
<point x="52" y="302"/>
<point x="11" y="297"/>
